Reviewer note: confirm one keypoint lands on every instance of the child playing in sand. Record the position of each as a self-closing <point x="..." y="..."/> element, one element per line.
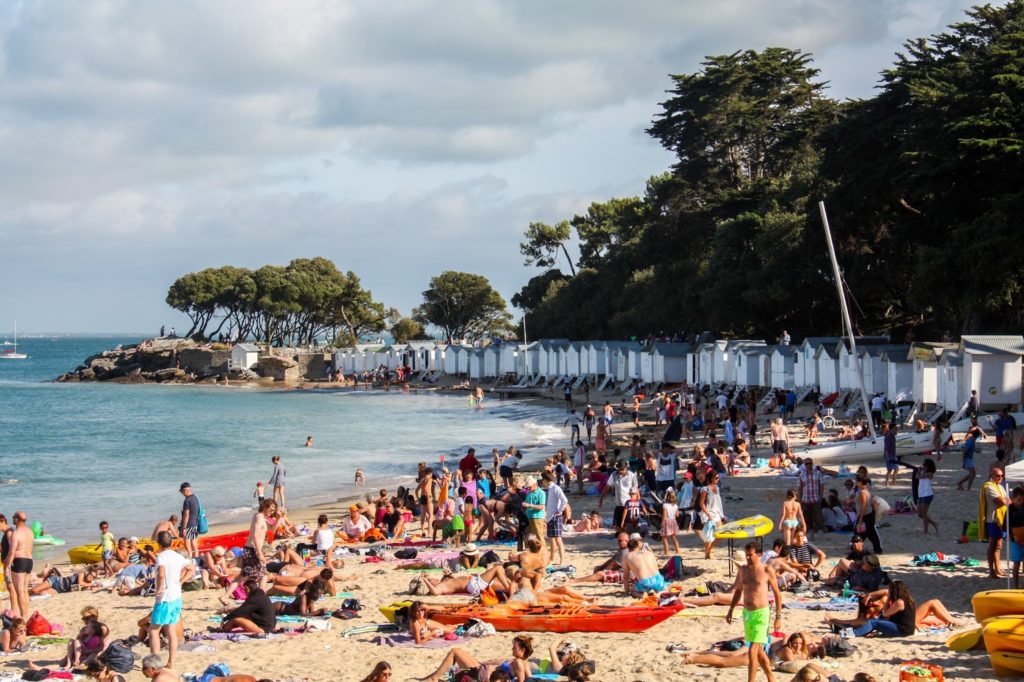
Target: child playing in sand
<point x="792" y="517"/>
<point x="259" y="493"/>
<point x="669" y="525"/>
<point x="107" y="548"/>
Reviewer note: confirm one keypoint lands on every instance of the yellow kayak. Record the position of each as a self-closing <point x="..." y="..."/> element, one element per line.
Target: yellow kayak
<point x="1007" y="663"/>
<point x="745" y="529"/>
<point x="91" y="554"/>
<point x="991" y="603"/>
<point x="1004" y="634"/>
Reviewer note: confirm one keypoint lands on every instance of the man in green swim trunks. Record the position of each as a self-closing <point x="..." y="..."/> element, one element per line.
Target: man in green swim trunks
<point x="752" y="583"/>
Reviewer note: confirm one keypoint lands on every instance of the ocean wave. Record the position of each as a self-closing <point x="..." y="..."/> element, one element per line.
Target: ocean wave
<point x="544" y="434"/>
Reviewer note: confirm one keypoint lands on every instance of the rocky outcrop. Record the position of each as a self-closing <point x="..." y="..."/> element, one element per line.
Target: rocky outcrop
<point x="185" y="361"/>
<point x="278" y="368"/>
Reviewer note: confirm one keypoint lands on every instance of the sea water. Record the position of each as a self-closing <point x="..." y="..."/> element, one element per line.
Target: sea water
<point x="72" y="454"/>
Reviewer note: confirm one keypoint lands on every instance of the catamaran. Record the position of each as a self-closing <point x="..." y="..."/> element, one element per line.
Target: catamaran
<point x="12" y="352"/>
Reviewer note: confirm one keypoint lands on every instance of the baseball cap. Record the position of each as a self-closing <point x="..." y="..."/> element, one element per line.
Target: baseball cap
<point x="636" y="536"/>
<point x="184" y="485"/>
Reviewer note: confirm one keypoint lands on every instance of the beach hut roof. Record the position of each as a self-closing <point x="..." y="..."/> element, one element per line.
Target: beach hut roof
<point x="992" y="345"/>
<point x="757" y="350"/>
<point x="248" y="347"/>
<point x="815" y="341"/>
<point x="671" y="349"/>
<point x="880" y="350"/>
<point x="784" y="350"/>
<point x="863" y="341"/>
<point x="952" y="358"/>
<point x="929" y="351"/>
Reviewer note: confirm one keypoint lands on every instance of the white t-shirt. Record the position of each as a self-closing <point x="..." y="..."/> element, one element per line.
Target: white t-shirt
<point x="358" y="528"/>
<point x="173" y="564"/>
<point x="324" y="539"/>
<point x="723" y="401"/>
<point x="666" y="468"/>
<point x="877" y="403"/>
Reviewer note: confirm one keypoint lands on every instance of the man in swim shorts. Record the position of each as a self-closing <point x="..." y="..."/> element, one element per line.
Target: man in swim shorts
<point x="611" y="570"/>
<point x="18" y="566"/>
<point x="640" y="570"/>
<point x="753" y="581"/>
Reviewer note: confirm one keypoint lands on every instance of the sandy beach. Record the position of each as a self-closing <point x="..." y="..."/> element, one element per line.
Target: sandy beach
<point x="330" y="656"/>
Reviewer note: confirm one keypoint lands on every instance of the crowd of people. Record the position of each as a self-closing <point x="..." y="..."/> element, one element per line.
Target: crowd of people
<point x="662" y="493"/>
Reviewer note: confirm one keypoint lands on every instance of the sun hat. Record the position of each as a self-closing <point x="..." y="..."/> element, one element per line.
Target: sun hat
<point x="133" y="539"/>
<point x="219" y="551"/>
<point x="470" y="549"/>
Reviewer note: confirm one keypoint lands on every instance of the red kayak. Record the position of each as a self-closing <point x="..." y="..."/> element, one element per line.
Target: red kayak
<point x="227" y="540"/>
<point x="560" y="618"/>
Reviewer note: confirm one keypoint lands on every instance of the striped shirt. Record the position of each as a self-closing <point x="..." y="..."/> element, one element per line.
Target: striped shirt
<point x="805" y="553"/>
<point x="810" y="485"/>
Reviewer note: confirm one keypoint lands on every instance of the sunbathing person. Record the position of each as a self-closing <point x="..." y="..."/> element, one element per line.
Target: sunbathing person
<point x="611" y="570"/>
<point x="531" y="559"/>
<point x="13" y="637"/>
<point x="145" y="623"/>
<point x="52" y="582"/>
<point x="785" y="654"/>
<point x="588" y="524"/>
<point x="424" y="629"/>
<point x="305" y="599"/>
<point x="213" y="568"/>
<point x="283" y="584"/>
<point x="527" y="594"/>
<point x="890" y="596"/>
<point x="465" y="583"/>
<point x="518" y="667"/>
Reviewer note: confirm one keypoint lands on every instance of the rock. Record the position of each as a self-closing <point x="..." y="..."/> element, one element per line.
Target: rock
<point x="278" y="368"/>
<point x="102" y="364"/>
<point x="169" y="374"/>
<point x="87" y="374"/>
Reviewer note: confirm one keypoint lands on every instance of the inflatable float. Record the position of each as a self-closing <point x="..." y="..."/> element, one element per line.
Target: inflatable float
<point x="40" y="539"/>
<point x="746" y="529"/>
<point x="561" y="618"/>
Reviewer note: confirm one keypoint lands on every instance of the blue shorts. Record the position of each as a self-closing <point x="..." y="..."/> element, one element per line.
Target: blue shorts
<point x="968" y="463"/>
<point x="656" y="583"/>
<point x="1016" y="552"/>
<point x="107" y="555"/>
<point x="927" y="499"/>
<point x="892" y="466"/>
<point x="994" y="531"/>
<point x="166" y="612"/>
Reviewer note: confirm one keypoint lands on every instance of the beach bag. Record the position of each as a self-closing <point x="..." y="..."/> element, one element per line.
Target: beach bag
<point x="918" y="671"/>
<point x="880" y="506"/>
<point x="707" y="533"/>
<point x="673" y="569"/>
<point x="204" y="525"/>
<point x="837" y="647"/>
<point x="489" y="557"/>
<point x="192" y="585"/>
<point x="478" y="628"/>
<point x="118" y="657"/>
<point x="418" y="588"/>
<point x="37" y="625"/>
<point x="406" y="553"/>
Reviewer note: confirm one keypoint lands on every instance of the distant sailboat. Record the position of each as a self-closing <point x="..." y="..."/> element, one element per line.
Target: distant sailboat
<point x="12" y="353"/>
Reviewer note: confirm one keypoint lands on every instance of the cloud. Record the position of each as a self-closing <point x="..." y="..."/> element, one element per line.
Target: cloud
<point x="197" y="132"/>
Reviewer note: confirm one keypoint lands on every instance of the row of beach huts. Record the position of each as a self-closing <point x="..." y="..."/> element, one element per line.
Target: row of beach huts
<point x="928" y="374"/>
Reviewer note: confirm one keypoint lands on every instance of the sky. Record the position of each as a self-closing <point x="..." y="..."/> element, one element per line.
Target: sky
<point x="144" y="140"/>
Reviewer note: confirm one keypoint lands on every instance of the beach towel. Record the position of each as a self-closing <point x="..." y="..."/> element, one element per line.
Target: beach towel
<point x="943" y="560"/>
<point x="406" y="639"/>
<point x="370" y="628"/>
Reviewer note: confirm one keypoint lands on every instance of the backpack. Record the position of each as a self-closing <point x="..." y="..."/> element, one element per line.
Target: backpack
<point x="204" y="525"/>
<point x="118" y="657"/>
<point x="489" y="557"/>
<point x="837" y="647"/>
<point x="37" y="625"/>
<point x="406" y="553"/>
<point x="673" y="569"/>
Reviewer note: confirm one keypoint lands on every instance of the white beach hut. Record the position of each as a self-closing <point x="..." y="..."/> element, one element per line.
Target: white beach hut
<point x="530" y="360"/>
<point x="782" y="362"/>
<point x="732" y="359"/>
<point x="244" y="356"/>
<point x="668" y="361"/>
<point x="805" y="367"/>
<point x="706" y="363"/>
<point x="992" y="367"/>
<point x="476" y="359"/>
<point x="753" y="365"/>
<point x="924" y="357"/>
<point x="491" y="355"/>
<point x="950" y="380"/>
<point x="720" y="362"/>
<point x="646" y="361"/>
<point x="573" y="354"/>
<point x="827" y="369"/>
<point x="899" y="374"/>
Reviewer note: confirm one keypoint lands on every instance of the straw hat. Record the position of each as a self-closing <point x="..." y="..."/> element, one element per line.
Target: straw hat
<point x="470" y="550"/>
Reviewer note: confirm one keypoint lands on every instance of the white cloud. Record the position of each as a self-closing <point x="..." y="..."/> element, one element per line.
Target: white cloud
<point x="205" y="131"/>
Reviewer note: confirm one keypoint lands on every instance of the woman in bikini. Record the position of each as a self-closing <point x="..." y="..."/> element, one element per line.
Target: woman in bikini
<point x="518" y="667"/>
<point x="305" y="600"/>
<point x="424" y="629"/>
<point x="792" y="517"/>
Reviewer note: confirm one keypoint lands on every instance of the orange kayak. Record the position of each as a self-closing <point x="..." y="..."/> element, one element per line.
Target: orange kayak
<point x="227" y="540"/>
<point x="560" y="618"/>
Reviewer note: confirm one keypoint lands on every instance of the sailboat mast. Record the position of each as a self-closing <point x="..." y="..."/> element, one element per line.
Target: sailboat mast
<point x="846" y="319"/>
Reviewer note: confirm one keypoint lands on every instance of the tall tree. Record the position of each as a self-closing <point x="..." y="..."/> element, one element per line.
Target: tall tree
<point x="463" y="305"/>
<point x="543" y="242"/>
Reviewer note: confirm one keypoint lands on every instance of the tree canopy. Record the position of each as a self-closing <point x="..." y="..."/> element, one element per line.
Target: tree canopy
<point x="293" y="304"/>
<point x="922" y="183"/>
<point x="463" y="305"/>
